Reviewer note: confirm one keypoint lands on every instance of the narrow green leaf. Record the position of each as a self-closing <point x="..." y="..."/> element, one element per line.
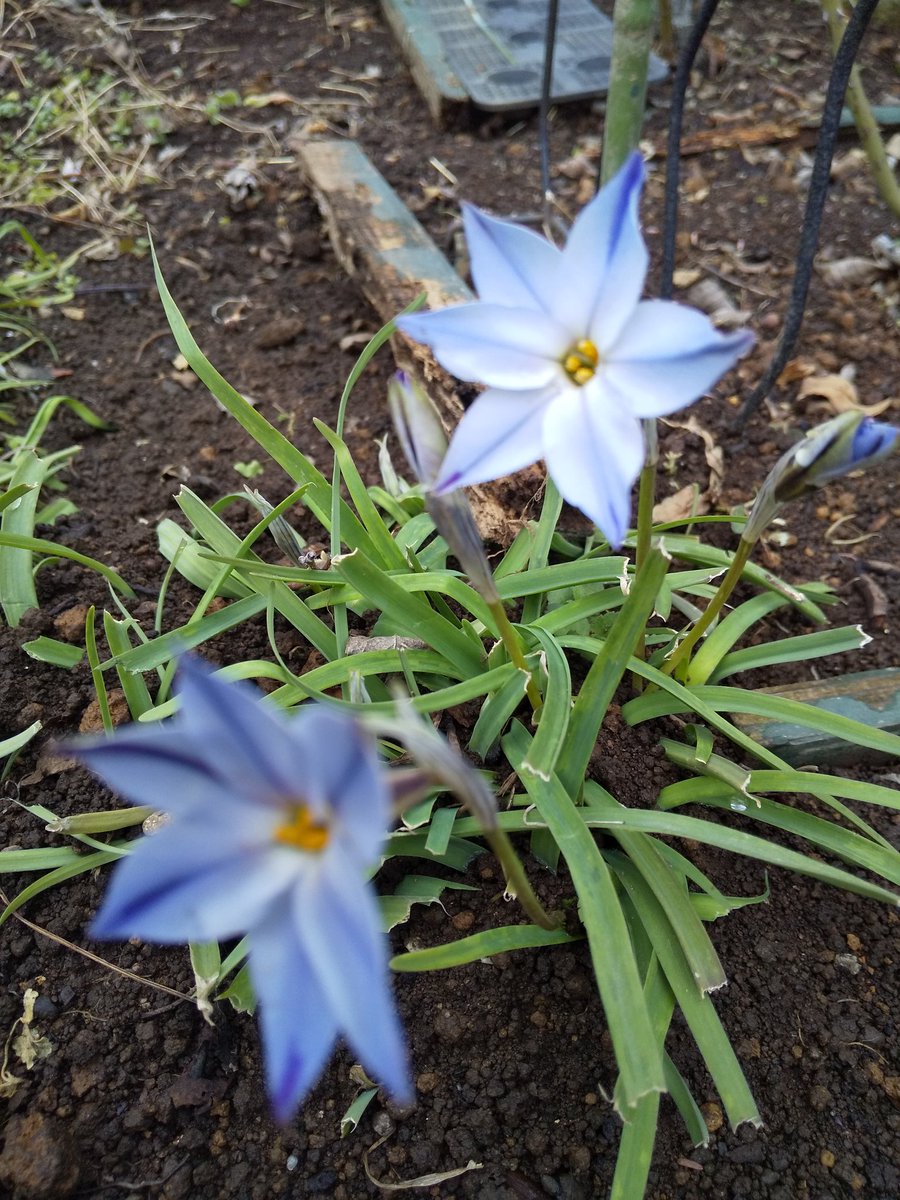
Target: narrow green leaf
<point x="17" y="591"/>
<point x="51" y="650"/>
<point x="11" y="495"/>
<point x="672" y="894"/>
<point x="477" y="946"/>
<point x="388" y="553"/>
<point x="550" y="737"/>
<point x="540" y="547"/>
<point x="792" y="649"/>
<point x="77" y="865"/>
<point x="44" y="859"/>
<point x="612" y="954"/>
<point x="607" y="670"/>
<point x="698" y="1010"/>
<point x="187" y="637"/>
<point x="408" y="610"/>
<point x="561" y="575"/>
<point x="852" y="847"/>
<point x="354" y="1113"/>
<point x="270" y="439"/>
<point x="733" y="840"/>
<point x="684" y="1100"/>
<point x="495" y="714"/>
<point x="765" y="704"/>
<point x="415" y="889"/>
<point x="239" y="993"/>
<point x="137" y="694"/>
<point x="440" y="830"/>
<point x="43" y="546"/>
<point x="692" y="550"/>
<point x="458" y="855"/>
<point x="727" y="632"/>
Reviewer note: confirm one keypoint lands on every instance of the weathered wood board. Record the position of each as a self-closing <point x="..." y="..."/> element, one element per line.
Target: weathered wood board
<point x="872" y="697"/>
<point x="383" y="247"/>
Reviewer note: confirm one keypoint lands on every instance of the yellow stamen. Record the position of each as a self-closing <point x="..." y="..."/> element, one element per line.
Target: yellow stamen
<point x="301" y="831"/>
<point x="580" y="361"/>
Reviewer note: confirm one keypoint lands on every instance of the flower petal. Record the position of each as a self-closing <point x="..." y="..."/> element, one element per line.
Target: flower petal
<point x="594" y="450"/>
<point x="338" y="921"/>
<point x="499" y="434"/>
<point x="342" y="775"/>
<point x="510" y="264"/>
<point x="602" y="270"/>
<point x="245" y="739"/>
<point x="159" y="765"/>
<point x="298" y="1027"/>
<point x="492" y="344"/>
<point x="669" y="355"/>
<point x="193" y="883"/>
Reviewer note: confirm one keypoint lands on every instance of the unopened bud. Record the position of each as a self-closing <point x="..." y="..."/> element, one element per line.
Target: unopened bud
<point x="847" y="442"/>
<point x="286" y="538"/>
<point x="425" y="444"/>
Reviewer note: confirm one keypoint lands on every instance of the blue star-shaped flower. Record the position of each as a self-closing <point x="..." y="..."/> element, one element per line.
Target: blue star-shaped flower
<point x="571" y="355"/>
<point x="274" y="822"/>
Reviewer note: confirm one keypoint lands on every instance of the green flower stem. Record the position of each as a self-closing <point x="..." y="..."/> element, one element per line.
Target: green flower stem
<point x="646" y="500"/>
<point x="632" y="36"/>
<point x="513" y="646"/>
<point x="679" y="657"/>
<point x="517" y="881"/>
<point x="863" y="117"/>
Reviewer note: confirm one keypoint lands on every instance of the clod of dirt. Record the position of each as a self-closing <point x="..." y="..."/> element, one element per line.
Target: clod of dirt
<point x="39" y="1160"/>
<point x="280" y="331"/>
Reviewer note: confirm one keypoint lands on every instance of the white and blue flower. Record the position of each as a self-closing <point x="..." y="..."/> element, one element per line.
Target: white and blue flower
<point x="274" y="823"/>
<point x="573" y="359"/>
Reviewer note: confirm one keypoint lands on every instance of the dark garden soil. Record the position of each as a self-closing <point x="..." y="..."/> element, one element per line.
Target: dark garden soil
<point x="138" y="1097"/>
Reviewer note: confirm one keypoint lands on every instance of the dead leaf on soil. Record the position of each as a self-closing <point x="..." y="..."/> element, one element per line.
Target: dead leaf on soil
<point x="422" y="1181"/>
<point x="710" y="297"/>
<point x="842" y="394"/>
<point x="848" y="272"/>
<point x="687" y="502"/>
<point x="712" y="451"/>
<point x="28" y="1045"/>
<point x="49" y="762"/>
<point x="797" y="368"/>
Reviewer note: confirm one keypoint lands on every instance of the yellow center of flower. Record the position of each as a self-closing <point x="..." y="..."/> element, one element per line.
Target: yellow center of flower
<point x="301" y="831"/>
<point x="580" y="361"/>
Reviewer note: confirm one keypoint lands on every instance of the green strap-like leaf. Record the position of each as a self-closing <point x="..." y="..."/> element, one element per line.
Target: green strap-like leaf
<point x="612" y="953"/>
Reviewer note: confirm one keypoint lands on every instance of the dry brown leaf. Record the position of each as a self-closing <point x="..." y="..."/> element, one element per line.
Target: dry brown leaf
<point x="712" y="451"/>
<point x="797" y="368"/>
<point x="710" y="297"/>
<point x="847" y="272"/>
<point x="687" y="502"/>
<point x="684" y="277"/>
<point x="841" y="394"/>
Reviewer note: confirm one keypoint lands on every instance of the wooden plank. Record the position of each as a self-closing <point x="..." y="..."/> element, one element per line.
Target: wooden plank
<point x="380" y="243"/>
<point x="872" y="697"/>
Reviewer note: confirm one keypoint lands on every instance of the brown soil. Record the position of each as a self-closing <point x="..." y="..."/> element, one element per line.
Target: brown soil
<point x="139" y="1097"/>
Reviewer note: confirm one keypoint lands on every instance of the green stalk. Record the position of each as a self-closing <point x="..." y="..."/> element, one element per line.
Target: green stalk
<point x="632" y="37"/>
<point x="646" y="500"/>
<point x="513" y="646"/>
<point x="517" y="881"/>
<point x="863" y="117"/>
<point x="679" y="656"/>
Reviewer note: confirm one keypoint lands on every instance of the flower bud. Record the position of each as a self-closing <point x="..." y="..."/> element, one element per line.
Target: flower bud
<point x="845" y="443"/>
<point x="425" y="444"/>
<point x="418" y="427"/>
